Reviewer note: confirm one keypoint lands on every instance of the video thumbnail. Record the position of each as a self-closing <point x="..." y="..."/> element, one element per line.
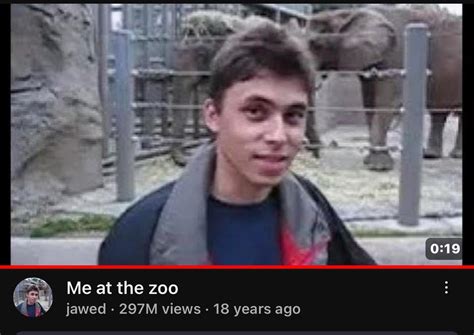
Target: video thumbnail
<point x="236" y="134"/>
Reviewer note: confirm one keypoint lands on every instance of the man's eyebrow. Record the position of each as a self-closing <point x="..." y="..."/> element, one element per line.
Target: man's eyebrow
<point x="259" y="98"/>
<point x="298" y="105"/>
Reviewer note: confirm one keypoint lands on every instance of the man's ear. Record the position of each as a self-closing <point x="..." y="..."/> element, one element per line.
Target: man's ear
<point x="211" y="115"/>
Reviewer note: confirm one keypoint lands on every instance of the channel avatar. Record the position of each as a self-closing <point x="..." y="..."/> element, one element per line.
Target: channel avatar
<point x="33" y="297"/>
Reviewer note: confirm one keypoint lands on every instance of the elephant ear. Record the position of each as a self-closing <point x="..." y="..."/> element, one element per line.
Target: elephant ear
<point x="321" y="38"/>
<point x="367" y="38"/>
<point x="329" y="21"/>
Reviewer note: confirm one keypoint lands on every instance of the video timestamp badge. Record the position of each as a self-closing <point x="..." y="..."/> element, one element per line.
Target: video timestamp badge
<point x="439" y="248"/>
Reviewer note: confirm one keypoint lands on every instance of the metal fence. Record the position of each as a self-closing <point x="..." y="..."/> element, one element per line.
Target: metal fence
<point x="155" y="30"/>
<point x="150" y="72"/>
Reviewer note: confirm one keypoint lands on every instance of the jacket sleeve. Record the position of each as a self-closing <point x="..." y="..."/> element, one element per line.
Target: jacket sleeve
<point x="43" y="312"/>
<point x="128" y="242"/>
<point x="343" y="248"/>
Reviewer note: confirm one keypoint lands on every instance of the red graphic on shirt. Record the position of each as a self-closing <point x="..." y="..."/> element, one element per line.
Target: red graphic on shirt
<point x="294" y="255"/>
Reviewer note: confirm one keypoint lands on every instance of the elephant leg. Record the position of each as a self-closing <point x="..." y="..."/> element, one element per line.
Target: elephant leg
<point x="457" y="151"/>
<point x="148" y="120"/>
<point x="369" y="117"/>
<point x="178" y="153"/>
<point x="435" y="139"/>
<point x="177" y="148"/>
<point x="368" y="99"/>
<point x="182" y="90"/>
<point x="379" y="158"/>
<point x="378" y="94"/>
<point x="183" y="87"/>
<point x="368" y="95"/>
<point x="312" y="133"/>
<point x="195" y="112"/>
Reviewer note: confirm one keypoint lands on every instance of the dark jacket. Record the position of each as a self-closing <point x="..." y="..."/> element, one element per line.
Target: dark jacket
<point x="129" y="240"/>
<point x="39" y="310"/>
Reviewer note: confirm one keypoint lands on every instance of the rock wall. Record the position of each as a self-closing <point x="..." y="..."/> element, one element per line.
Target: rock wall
<point x="55" y="109"/>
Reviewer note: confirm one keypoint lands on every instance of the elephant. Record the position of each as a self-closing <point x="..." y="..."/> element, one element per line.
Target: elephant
<point x="204" y="33"/>
<point x="373" y="37"/>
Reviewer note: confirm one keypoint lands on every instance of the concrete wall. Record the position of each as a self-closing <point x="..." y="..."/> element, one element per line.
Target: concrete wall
<point x="338" y="91"/>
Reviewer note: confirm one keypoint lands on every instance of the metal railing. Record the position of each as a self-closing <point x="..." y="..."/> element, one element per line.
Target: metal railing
<point x="414" y="78"/>
<point x="414" y="101"/>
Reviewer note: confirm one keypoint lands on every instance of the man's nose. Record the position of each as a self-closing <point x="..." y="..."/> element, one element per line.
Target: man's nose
<point x="276" y="131"/>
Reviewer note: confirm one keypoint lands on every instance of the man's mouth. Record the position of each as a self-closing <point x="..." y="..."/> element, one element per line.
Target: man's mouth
<point x="272" y="164"/>
<point x="271" y="158"/>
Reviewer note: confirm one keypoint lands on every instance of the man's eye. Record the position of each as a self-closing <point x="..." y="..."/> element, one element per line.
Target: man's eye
<point x="294" y="118"/>
<point x="255" y="113"/>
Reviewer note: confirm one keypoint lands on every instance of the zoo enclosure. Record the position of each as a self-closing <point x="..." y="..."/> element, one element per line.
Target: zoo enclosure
<point x="146" y="67"/>
<point x="156" y="28"/>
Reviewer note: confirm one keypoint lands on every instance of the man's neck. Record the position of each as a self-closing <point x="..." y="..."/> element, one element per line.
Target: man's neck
<point x="231" y="187"/>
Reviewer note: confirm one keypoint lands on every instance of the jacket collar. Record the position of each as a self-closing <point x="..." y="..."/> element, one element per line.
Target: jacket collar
<point x="181" y="233"/>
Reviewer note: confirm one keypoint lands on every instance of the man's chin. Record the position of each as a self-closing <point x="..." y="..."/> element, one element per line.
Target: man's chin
<point x="268" y="181"/>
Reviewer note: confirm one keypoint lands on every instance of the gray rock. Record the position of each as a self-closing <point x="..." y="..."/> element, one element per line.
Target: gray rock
<point x="55" y="109"/>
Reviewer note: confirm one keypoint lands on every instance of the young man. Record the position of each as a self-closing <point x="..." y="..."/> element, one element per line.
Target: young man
<point x="31" y="307"/>
<point x="236" y="202"/>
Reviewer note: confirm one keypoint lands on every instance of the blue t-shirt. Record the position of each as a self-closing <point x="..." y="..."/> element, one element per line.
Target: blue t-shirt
<point x="244" y="234"/>
<point x="31" y="310"/>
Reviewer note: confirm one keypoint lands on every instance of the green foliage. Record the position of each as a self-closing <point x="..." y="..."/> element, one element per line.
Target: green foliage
<point x="87" y="223"/>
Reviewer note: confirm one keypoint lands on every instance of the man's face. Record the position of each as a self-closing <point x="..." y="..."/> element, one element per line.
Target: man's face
<point x="32" y="296"/>
<point x="260" y="127"/>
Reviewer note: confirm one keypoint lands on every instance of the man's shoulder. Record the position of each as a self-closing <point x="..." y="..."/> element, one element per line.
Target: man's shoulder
<point x="343" y="248"/>
<point x="43" y="311"/>
<point x="308" y="184"/>
<point x="144" y="209"/>
<point x="314" y="192"/>
<point x="149" y="202"/>
<point x="129" y="239"/>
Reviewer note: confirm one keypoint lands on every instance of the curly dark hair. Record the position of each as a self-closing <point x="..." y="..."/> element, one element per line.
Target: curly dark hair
<point x="264" y="46"/>
<point x="32" y="287"/>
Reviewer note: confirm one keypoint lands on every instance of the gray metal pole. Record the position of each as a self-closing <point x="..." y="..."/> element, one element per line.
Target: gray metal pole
<point x="125" y="117"/>
<point x="148" y="118"/>
<point x="172" y="30"/>
<point x="103" y="28"/>
<point x="414" y="101"/>
<point x="148" y="30"/>
<point x="127" y="13"/>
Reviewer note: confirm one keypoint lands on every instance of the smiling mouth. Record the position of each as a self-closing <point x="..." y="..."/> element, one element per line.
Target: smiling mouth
<point x="272" y="158"/>
<point x="271" y="165"/>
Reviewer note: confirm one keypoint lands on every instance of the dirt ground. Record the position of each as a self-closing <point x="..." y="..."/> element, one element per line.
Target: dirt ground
<point x="359" y="193"/>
